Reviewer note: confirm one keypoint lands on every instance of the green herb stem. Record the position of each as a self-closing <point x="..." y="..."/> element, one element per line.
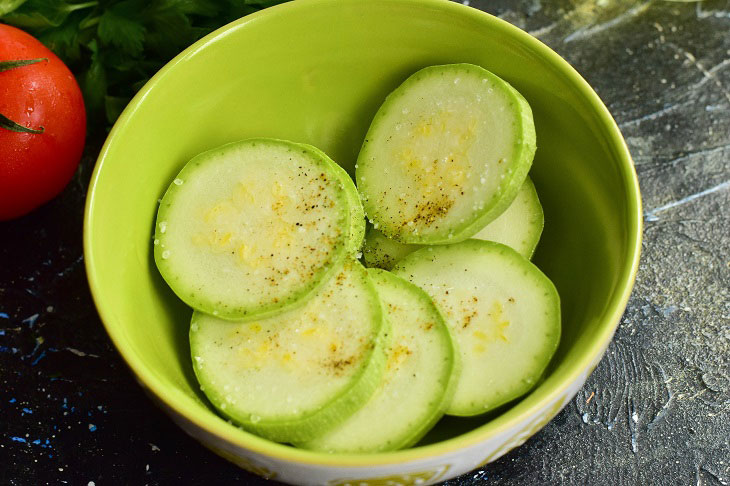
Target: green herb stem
<point x="79" y="6"/>
<point x="88" y="22"/>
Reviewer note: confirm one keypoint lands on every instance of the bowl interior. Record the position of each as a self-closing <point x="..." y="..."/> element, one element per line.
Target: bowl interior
<point x="316" y="72"/>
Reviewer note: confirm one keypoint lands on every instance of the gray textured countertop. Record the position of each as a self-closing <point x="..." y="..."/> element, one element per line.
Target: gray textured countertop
<point x="655" y="411"/>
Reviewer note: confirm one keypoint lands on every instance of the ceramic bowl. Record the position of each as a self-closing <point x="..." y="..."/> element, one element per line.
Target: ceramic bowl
<point x="316" y="71"/>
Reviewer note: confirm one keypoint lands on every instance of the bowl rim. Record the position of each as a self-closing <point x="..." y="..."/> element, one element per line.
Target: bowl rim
<point x="538" y="400"/>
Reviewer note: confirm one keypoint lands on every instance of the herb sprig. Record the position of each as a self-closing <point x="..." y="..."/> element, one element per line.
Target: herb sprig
<point x="115" y="46"/>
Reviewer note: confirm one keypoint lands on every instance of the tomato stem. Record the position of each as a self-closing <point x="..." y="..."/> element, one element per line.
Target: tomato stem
<point x="6" y="122"/>
<point x="9" y="124"/>
<point x="6" y="65"/>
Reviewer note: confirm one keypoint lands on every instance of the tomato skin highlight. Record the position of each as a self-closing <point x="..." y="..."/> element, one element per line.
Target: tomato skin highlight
<point x="34" y="168"/>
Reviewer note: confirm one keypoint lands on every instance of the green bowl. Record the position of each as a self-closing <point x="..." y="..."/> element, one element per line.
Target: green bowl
<point x="316" y="71"/>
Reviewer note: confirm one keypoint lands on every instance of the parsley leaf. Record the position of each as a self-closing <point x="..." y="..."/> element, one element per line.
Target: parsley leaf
<point x="64" y="40"/>
<point x="121" y="26"/>
<point x="7" y="6"/>
<point x="93" y="84"/>
<point x="39" y="14"/>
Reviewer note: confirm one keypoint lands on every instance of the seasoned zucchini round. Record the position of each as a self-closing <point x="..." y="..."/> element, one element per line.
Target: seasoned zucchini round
<point x="445" y="154"/>
<point x="252" y="228"/>
<point x="295" y="375"/>
<point x="502" y="311"/>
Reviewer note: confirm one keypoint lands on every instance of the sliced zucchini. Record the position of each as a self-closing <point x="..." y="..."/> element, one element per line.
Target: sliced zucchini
<point x="502" y="311"/>
<point x="445" y="155"/>
<point x="252" y="228"/>
<point x="295" y="375"/>
<point x="415" y="387"/>
<point x="379" y="251"/>
<point x="357" y="213"/>
<point x="518" y="227"/>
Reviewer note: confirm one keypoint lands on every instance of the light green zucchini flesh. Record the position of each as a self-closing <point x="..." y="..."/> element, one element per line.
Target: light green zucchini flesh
<point x="293" y="376"/>
<point x="357" y="213"/>
<point x="502" y="311"/>
<point x="519" y="227"/>
<point x="252" y="228"/>
<point x="416" y="383"/>
<point x="445" y="155"/>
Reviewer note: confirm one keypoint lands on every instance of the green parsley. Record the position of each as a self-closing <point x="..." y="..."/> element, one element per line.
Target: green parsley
<point x="115" y="46"/>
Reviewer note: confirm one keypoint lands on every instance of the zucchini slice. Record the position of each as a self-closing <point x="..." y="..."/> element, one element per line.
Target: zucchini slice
<point x="415" y="387"/>
<point x="252" y="228"/>
<point x="502" y="311"/>
<point x="519" y="227"/>
<point x="379" y="251"/>
<point x="445" y="155"/>
<point x="357" y="213"/>
<point x="293" y="376"/>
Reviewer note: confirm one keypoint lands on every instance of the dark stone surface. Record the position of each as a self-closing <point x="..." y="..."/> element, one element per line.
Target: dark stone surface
<point x="657" y="408"/>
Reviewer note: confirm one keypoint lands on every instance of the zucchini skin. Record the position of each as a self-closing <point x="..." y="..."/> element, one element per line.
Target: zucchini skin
<point x="357" y="213"/>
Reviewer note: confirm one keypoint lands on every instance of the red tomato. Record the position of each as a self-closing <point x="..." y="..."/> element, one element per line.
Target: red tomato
<point x="34" y="168"/>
